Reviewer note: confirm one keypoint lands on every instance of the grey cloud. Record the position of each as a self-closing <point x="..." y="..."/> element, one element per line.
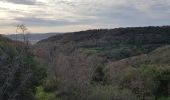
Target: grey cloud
<point x="25" y="2"/>
<point x="51" y="22"/>
<point x="105" y="13"/>
<point x="129" y="15"/>
<point x="42" y="22"/>
<point x="69" y="3"/>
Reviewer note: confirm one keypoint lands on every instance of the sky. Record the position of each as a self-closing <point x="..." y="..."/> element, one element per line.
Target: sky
<point x="42" y="16"/>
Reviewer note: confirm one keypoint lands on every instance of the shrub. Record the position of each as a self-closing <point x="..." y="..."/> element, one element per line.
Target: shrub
<point x="107" y="92"/>
<point x="43" y="95"/>
<point x="148" y="81"/>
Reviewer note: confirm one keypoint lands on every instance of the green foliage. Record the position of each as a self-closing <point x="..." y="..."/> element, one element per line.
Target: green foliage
<point x="107" y="92"/>
<point x="20" y="73"/>
<point x="148" y="81"/>
<point x="118" y="53"/>
<point x="164" y="98"/>
<point x="89" y="51"/>
<point x="99" y="74"/>
<point x="8" y="48"/>
<point x="38" y="71"/>
<point x="76" y="77"/>
<point x="43" y="95"/>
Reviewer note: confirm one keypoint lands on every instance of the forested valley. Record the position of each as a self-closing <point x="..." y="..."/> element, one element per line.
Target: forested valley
<point x="103" y="64"/>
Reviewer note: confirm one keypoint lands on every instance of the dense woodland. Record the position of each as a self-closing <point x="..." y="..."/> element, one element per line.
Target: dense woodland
<point x="19" y="72"/>
<point x="104" y="64"/>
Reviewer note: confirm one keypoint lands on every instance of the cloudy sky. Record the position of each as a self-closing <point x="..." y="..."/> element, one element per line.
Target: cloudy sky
<point x="75" y="15"/>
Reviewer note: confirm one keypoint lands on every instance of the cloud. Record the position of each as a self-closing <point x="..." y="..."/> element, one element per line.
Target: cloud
<point x="99" y="13"/>
<point x="31" y="21"/>
<point x="42" y="22"/>
<point x="24" y="2"/>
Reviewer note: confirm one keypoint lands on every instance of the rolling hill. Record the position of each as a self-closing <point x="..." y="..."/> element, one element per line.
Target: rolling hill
<point x="105" y="64"/>
<point x="117" y="64"/>
<point x="33" y="37"/>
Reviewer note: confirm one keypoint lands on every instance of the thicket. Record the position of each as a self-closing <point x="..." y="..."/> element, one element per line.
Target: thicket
<point x="20" y="73"/>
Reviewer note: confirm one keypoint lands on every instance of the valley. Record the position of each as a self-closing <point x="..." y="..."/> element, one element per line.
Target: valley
<point x="103" y="64"/>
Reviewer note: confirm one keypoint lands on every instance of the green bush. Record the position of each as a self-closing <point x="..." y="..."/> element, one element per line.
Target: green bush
<point x="20" y="73"/>
<point x="107" y="92"/>
<point x="148" y="81"/>
<point x="43" y="95"/>
<point x="164" y="98"/>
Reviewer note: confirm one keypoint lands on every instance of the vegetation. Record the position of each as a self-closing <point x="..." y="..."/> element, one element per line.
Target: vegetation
<point x="116" y="64"/>
<point x="43" y="95"/>
<point x="19" y="72"/>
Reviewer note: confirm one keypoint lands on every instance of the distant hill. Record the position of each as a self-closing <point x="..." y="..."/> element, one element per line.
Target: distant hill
<point x="160" y="56"/>
<point x="137" y="34"/>
<point x="113" y="43"/>
<point x="33" y="38"/>
<point x="108" y="64"/>
<point x="103" y="64"/>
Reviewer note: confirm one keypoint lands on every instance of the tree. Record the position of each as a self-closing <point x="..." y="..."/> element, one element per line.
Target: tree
<point x="22" y="29"/>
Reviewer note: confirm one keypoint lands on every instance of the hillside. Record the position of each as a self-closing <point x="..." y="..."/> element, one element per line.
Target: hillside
<point x="19" y="72"/>
<point x="33" y="37"/>
<point x="112" y="44"/>
<point x="104" y="34"/>
<point x="117" y="64"/>
<point x="143" y="74"/>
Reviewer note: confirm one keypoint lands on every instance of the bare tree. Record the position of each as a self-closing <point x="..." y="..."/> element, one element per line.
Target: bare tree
<point x="22" y="29"/>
